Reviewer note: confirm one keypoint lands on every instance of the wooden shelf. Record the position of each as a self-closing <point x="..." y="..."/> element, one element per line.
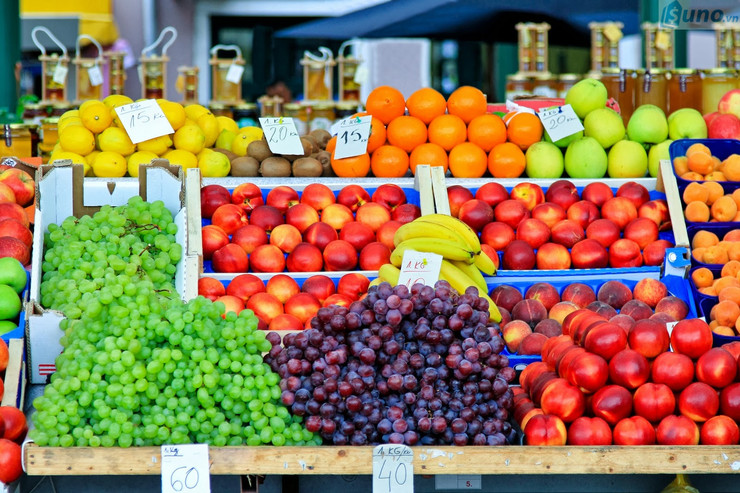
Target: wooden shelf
<point x="332" y="460"/>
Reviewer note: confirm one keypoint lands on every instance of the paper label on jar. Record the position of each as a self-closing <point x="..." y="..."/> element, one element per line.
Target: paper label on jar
<point x="60" y="74"/>
<point x="234" y="74"/>
<point x="95" y="75"/>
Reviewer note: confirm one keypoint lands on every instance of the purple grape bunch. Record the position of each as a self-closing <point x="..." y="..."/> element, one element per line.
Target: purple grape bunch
<point x="420" y="366"/>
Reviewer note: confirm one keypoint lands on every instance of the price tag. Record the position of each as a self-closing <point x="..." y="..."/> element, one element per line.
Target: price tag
<point x="512" y="106"/>
<point x="352" y="135"/>
<point x="560" y="122"/>
<point x="95" y="75"/>
<point x="393" y="470"/>
<point x="361" y="74"/>
<point x="282" y="135"/>
<point x="235" y="73"/>
<point x="457" y="482"/>
<point x="662" y="40"/>
<point x="185" y="469"/>
<point x="612" y="33"/>
<point x="60" y="74"/>
<point x="143" y="120"/>
<point x="422" y="267"/>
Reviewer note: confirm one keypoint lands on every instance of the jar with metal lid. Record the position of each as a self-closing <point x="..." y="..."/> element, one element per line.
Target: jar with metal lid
<point x="18" y="140"/>
<point x="652" y="88"/>
<point x="684" y="90"/>
<point x="246" y="115"/>
<point x="219" y="109"/>
<point x="565" y="82"/>
<point x="545" y="85"/>
<point x="60" y="109"/>
<point x="33" y="113"/>
<point x="344" y="110"/>
<point x="518" y="85"/>
<point x="299" y="113"/>
<point x="620" y="85"/>
<point x="49" y="137"/>
<point x="716" y="83"/>
<point x="322" y="117"/>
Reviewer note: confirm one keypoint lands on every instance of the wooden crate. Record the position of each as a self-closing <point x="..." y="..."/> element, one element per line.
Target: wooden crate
<point x="15" y="376"/>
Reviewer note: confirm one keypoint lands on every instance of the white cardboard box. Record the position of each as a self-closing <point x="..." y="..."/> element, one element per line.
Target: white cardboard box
<point x="61" y="191"/>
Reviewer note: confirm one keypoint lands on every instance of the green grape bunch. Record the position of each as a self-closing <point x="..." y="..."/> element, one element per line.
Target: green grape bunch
<point x="139" y="366"/>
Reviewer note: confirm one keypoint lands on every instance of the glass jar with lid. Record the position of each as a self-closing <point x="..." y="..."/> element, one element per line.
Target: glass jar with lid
<point x="246" y="115"/>
<point x="322" y="117"/>
<point x="684" y="89"/>
<point x="518" y="85"/>
<point x="620" y="85"/>
<point x="565" y="82"/>
<point x="716" y="83"/>
<point x="18" y="140"/>
<point x="652" y="88"/>
<point x="299" y="113"/>
<point x="545" y="85"/>
<point x="49" y="137"/>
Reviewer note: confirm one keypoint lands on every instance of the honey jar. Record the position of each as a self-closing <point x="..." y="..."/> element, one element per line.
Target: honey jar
<point x="652" y="88"/>
<point x="17" y="140"/>
<point x="716" y="83"/>
<point x="684" y="90"/>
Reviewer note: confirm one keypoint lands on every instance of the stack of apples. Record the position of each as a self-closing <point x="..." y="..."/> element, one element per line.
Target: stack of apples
<point x="13" y="429"/>
<point x="13" y="280"/>
<point x="17" y="192"/>
<point x="310" y="231"/>
<point x="597" y="385"/>
<point x="280" y="304"/>
<point x="725" y="122"/>
<point x="560" y="228"/>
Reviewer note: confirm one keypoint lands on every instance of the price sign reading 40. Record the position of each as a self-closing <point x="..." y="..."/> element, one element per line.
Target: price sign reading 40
<point x="352" y="136"/>
<point x="560" y="122"/>
<point x="185" y="469"/>
<point x="281" y="135"/>
<point x="143" y="120"/>
<point x="393" y="469"/>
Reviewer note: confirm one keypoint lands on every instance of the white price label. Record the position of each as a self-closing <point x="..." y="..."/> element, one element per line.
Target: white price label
<point x="393" y="469"/>
<point x="352" y="135"/>
<point x="419" y="267"/>
<point x="60" y="74"/>
<point x="282" y="135"/>
<point x="234" y="74"/>
<point x="143" y="120"/>
<point x="457" y="482"/>
<point x="185" y="468"/>
<point x="95" y="76"/>
<point x="361" y="74"/>
<point x="560" y="122"/>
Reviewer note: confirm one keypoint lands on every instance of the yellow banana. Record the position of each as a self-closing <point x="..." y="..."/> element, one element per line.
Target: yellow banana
<point x="470" y="236"/>
<point x="390" y="273"/>
<point x="376" y="281"/>
<point x="423" y="229"/>
<point x="460" y="281"/>
<point x="473" y="273"/>
<point x="446" y="248"/>
<point x="484" y="263"/>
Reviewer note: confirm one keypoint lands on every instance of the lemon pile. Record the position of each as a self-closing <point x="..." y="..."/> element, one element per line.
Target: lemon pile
<point x="94" y="137"/>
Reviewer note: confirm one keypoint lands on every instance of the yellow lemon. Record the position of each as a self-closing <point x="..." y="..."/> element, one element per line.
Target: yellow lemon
<point x="109" y="164"/>
<point x="193" y="111"/>
<point x="157" y="145"/>
<point x="190" y="138"/>
<point x="71" y="121"/>
<point x="252" y="132"/>
<point x="208" y="123"/>
<point x="117" y="100"/>
<point x="90" y="158"/>
<point x="186" y="159"/>
<point x="214" y="165"/>
<point x="74" y="157"/>
<point x="225" y="138"/>
<point x="137" y="158"/>
<point x="95" y="116"/>
<point x="114" y="139"/>
<point x="204" y="152"/>
<point x="68" y="114"/>
<point x="174" y="112"/>
<point x="224" y="122"/>
<point x="246" y="136"/>
<point x="77" y="139"/>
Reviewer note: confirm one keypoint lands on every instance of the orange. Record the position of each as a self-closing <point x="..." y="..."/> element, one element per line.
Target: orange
<point x="467" y="102"/>
<point x="429" y="153"/>
<point x="332" y="144"/>
<point x="447" y="131"/>
<point x="389" y="161"/>
<point x="524" y="129"/>
<point x="698" y="148"/>
<point x="351" y="167"/>
<point x="385" y="103"/>
<point x="506" y="161"/>
<point x="700" y="163"/>
<point x="406" y="132"/>
<point x="377" y="133"/>
<point x="467" y="160"/>
<point x="426" y="104"/>
<point x="487" y="131"/>
<point x="702" y="277"/>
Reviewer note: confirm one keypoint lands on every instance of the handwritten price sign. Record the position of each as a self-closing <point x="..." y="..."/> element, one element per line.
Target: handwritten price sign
<point x="282" y="135"/>
<point x="352" y="136"/>
<point x="419" y="267"/>
<point x="143" y="120"/>
<point x="185" y="469"/>
<point x="560" y="122"/>
<point x="393" y="470"/>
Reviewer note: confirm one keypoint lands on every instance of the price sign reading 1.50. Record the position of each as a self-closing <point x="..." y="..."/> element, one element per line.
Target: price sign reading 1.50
<point x="560" y="122"/>
<point x="393" y="470"/>
<point x="185" y="469"/>
<point x="352" y="136"/>
<point x="143" y="120"/>
<point x="281" y="135"/>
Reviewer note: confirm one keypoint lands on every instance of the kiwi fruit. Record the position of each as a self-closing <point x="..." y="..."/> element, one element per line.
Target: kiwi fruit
<point x="314" y="143"/>
<point x="226" y="153"/>
<point x="259" y="150"/>
<point x="324" y="157"/>
<point x="245" y="166"/>
<point x="307" y="166"/>
<point x="275" y="166"/>
<point x="307" y="150"/>
<point x="321" y="136"/>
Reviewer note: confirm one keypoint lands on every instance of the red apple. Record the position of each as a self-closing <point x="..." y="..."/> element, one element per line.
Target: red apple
<point x="244" y="286"/>
<point x="21" y="183"/>
<point x="6" y="193"/>
<point x="724" y="127"/>
<point x="285" y="237"/>
<point x="301" y="216"/>
<point x="373" y="214"/>
<point x="353" y="285"/>
<point x="653" y="401"/>
<point x="211" y="197"/>
<point x="352" y="197"/>
<point x="16" y="229"/>
<point x="597" y="192"/>
<point x="492" y="193"/>
<point x="530" y="194"/>
<point x="497" y="234"/>
<point x="698" y="401"/>
<point x="248" y="237"/>
<point x="305" y="257"/>
<point x="621" y="210"/>
<point x="567" y="233"/>
<point x="267" y="258"/>
<point x="320" y="234"/>
<point x="318" y="196"/>
<point x="511" y="212"/>
<point x="16" y="425"/>
<point x="604" y="231"/>
<point x="210" y="288"/>
<point x="266" y="217"/>
<point x="230" y="258"/>
<point x="248" y="196"/>
<point x="549" y="212"/>
<point x="457" y="196"/>
<point x="374" y="255"/>
<point x="728" y="103"/>
<point x="357" y="234"/>
<point x="533" y="231"/>
<point x="583" y="212"/>
<point x="717" y="367"/>
<point x="213" y="238"/>
<point x="405" y="213"/>
<point x="629" y="369"/>
<point x="634" y="430"/>
<point x="589" y="431"/>
<point x="518" y="255"/>
<point x="677" y="430"/>
<point x="634" y="192"/>
<point x="476" y="214"/>
<point x="319" y="286"/>
<point x="339" y="255"/>
<point x="282" y="287"/>
<point x="282" y="198"/>
<point x="719" y="430"/>
<point x="337" y="215"/>
<point x="589" y="254"/>
<point x="625" y="253"/>
<point x="612" y="403"/>
<point x="14" y="211"/>
<point x="729" y="401"/>
<point x="389" y="195"/>
<point x="552" y="256"/>
<point x="10" y="460"/>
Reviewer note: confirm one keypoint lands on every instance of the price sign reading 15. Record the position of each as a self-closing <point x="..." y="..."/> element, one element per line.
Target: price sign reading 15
<point x="560" y="122"/>
<point x="143" y="120"/>
<point x="185" y="469"/>
<point x="352" y="136"/>
<point x="281" y="135"/>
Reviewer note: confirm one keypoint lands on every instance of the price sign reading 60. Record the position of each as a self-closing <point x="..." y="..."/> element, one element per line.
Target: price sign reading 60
<point x="185" y="469"/>
<point x="393" y="470"/>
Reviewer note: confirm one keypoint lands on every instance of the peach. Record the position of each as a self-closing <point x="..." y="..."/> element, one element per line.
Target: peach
<point x="514" y="332"/>
<point x="549" y="328"/>
<point x="601" y="308"/>
<point x="303" y="306"/>
<point x="530" y="311"/>
<point x="549" y="213"/>
<point x="373" y="215"/>
<point x="532" y="343"/>
<point x="614" y="293"/>
<point x="543" y="292"/>
<point x="337" y="215"/>
<point x="552" y="256"/>
<point x="285" y="237"/>
<point x="506" y="296"/>
<point x="320" y="286"/>
<point x="560" y="310"/>
<point x="673" y="306"/>
<point x="578" y="293"/>
<point x="301" y="216"/>
<point x="265" y="306"/>
<point x="636" y="309"/>
<point x="282" y="287"/>
<point x="650" y="291"/>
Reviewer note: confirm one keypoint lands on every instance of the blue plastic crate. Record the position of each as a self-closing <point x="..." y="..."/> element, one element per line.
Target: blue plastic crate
<point x="720" y="229"/>
<point x="721" y="148"/>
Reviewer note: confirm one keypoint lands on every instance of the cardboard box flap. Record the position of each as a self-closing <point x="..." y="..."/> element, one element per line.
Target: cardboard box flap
<point x="14" y="162"/>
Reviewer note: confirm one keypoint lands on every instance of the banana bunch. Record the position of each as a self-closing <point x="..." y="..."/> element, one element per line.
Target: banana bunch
<point x="463" y="264"/>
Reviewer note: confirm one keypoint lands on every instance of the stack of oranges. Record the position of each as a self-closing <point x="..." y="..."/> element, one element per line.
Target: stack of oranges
<point x="457" y="134"/>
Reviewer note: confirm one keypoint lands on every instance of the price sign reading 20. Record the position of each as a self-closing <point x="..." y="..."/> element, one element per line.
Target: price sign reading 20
<point x="393" y="470"/>
<point x="281" y="135"/>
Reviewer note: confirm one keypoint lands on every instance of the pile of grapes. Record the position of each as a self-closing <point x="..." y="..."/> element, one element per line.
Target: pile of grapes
<point x="399" y="366"/>
<point x="139" y="367"/>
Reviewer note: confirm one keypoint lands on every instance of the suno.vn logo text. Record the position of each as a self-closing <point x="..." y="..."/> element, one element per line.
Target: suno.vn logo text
<point x="679" y="15"/>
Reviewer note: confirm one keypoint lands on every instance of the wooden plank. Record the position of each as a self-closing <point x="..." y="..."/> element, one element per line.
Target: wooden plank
<point x="667" y="183"/>
<point x="14" y="376"/>
<point x="423" y="183"/>
<point x="331" y="460"/>
<point x="439" y="188"/>
<point x="194" y="243"/>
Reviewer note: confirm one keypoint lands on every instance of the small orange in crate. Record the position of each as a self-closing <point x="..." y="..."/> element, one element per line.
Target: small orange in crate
<point x="429" y="153"/>
<point x="467" y="160"/>
<point x="487" y="131"/>
<point x="506" y="161"/>
<point x="447" y="131"/>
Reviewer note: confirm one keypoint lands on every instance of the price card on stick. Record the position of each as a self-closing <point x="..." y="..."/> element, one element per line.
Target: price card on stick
<point x="352" y="135"/>
<point x="143" y="120"/>
<point x="185" y="469"/>
<point x="393" y="469"/>
<point x="560" y="122"/>
<point x="421" y="267"/>
<point x="282" y="135"/>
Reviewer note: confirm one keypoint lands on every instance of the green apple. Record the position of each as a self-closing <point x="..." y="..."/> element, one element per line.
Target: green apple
<point x="13" y="274"/>
<point x="544" y="160"/>
<point x="605" y="125"/>
<point x="563" y="143"/>
<point x="648" y="125"/>
<point x="657" y="153"/>
<point x="627" y="159"/>
<point x="225" y="139"/>
<point x="10" y="303"/>
<point x="7" y="326"/>
<point x="585" y="96"/>
<point x="585" y="158"/>
<point x="686" y="123"/>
